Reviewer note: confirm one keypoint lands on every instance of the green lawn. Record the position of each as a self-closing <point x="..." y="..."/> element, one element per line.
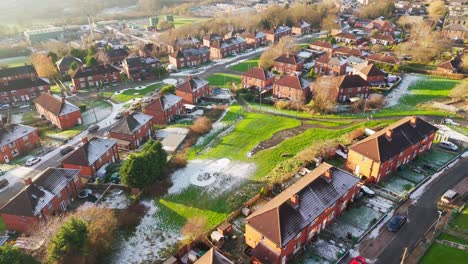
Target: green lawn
<point x="224" y="80"/>
<point x="133" y="93"/>
<point x="55" y="89"/>
<point x="445" y="236"/>
<point x="67" y="134"/>
<point x="462" y="220"/>
<point x="14" y="62"/>
<point x="181" y="20"/>
<point x="444" y="254"/>
<point x="246" y="65"/>
<point x="299" y="114"/>
<point x="328" y="123"/>
<point x="2" y="225"/>
<point x="421" y="92"/>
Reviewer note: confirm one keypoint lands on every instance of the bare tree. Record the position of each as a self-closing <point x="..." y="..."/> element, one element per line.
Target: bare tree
<point x="284" y="45"/>
<point x="460" y="92"/>
<point x="436" y="10"/>
<point x="44" y="65"/>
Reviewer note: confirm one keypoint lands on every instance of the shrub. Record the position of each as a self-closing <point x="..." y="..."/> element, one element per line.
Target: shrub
<point x="82" y="108"/>
<point x="283" y="104"/>
<point x="69" y="241"/>
<point x="201" y="126"/>
<point x="10" y="254"/>
<point x="179" y="160"/>
<point x="168" y="89"/>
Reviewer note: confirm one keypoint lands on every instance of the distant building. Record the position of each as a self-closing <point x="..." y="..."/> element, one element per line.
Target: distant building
<point x="16" y="140"/>
<point x="255" y="39"/>
<point x="192" y="90"/>
<point x="63" y="65"/>
<point x="52" y="191"/>
<point x="451" y="66"/>
<point x="132" y="130"/>
<point x="19" y="72"/>
<point x="86" y="77"/>
<point x="92" y="155"/>
<point x="342" y="88"/>
<point x="347" y="52"/>
<point x="327" y="65"/>
<point x="112" y="56"/>
<point x="182" y="43"/>
<point x="276" y="33"/>
<point x="222" y="48"/>
<point x="22" y="91"/>
<point x="383" y="59"/>
<point x="382" y="39"/>
<point x="190" y="57"/>
<point x="301" y="28"/>
<point x="370" y="73"/>
<point x="140" y="69"/>
<point x="321" y="46"/>
<point x="44" y="35"/>
<point x="345" y="37"/>
<point x="58" y="111"/>
<point x="163" y="108"/>
<point x="288" y="64"/>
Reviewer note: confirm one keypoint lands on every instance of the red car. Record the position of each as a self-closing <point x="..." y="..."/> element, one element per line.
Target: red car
<point x="358" y="260"/>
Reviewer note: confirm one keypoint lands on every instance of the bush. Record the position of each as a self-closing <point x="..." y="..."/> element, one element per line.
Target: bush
<point x="10" y="254"/>
<point x="201" y="126"/>
<point x="70" y="241"/>
<point x="82" y="108"/>
<point x="179" y="160"/>
<point x="168" y="89"/>
<point x="283" y="104"/>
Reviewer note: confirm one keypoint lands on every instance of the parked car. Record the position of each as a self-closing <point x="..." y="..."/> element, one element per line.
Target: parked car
<point x="448" y="145"/>
<point x="2" y="172"/>
<point x="135" y="106"/>
<point x="32" y="161"/>
<point x="93" y="128"/>
<point x="65" y="149"/>
<point x="367" y="191"/>
<point x="119" y="115"/>
<point x="5" y="106"/>
<point x="396" y="223"/>
<point x="449" y="196"/>
<point x="358" y="260"/>
<point x="449" y="121"/>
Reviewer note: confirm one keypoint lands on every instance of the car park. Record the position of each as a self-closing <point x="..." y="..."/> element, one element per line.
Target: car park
<point x="396" y="222"/>
<point x="448" y="145"/>
<point x="32" y="161"/>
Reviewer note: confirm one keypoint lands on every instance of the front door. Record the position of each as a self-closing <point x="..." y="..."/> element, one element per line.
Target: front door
<point x="7" y="160"/>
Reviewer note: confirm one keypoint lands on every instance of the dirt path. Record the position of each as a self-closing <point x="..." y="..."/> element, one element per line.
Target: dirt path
<point x="282" y="135"/>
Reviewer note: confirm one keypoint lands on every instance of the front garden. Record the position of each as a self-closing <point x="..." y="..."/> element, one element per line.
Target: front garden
<point x="129" y="94"/>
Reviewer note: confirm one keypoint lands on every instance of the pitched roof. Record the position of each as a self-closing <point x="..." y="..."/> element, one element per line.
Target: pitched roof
<point x="258" y="73"/>
<point x="371" y="70"/>
<point x="160" y="103"/>
<point x="321" y="44"/>
<point x="56" y="105"/>
<point x="66" y="61"/>
<point x="93" y="71"/>
<point x="13" y="132"/>
<point x="281" y="221"/>
<point x="19" y="70"/>
<point x="351" y="81"/>
<point x="131" y="123"/>
<point x="449" y="65"/>
<point x="346" y="35"/>
<point x="289" y="59"/>
<point x="34" y="197"/>
<point x="379" y="147"/>
<point x="348" y="51"/>
<point x="456" y="27"/>
<point x="294" y="82"/>
<point x="192" y="84"/>
<point x="382" y="37"/>
<point x="25" y="83"/>
<point x="213" y="256"/>
<point x="136" y="61"/>
<point x="382" y="58"/>
<point x="88" y="153"/>
<point x="190" y="52"/>
<point x="229" y="42"/>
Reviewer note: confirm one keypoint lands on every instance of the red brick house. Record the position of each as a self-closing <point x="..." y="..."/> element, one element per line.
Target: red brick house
<point x="163" y="108"/>
<point x="222" y="48"/>
<point x="301" y="28"/>
<point x="293" y="88"/>
<point x="19" y="72"/>
<point x="255" y="39"/>
<point x="346" y="37"/>
<point x="382" y="39"/>
<point x="321" y="46"/>
<point x="132" y="130"/>
<point x="190" y="57"/>
<point x="370" y="73"/>
<point x="22" y="91"/>
<point x="276" y="33"/>
<point x="288" y="64"/>
<point x="383" y="26"/>
<point x="51" y="191"/>
<point x="112" y="56"/>
<point x="57" y="110"/>
<point x="210" y="39"/>
<point x="455" y="31"/>
<point x="327" y="65"/>
<point x="16" y="140"/>
<point x="182" y="43"/>
<point x="281" y="227"/>
<point x="382" y="58"/>
<point x="342" y="88"/>
<point x="140" y="69"/>
<point x="347" y="52"/>
<point x="213" y="256"/>
<point x="63" y="65"/>
<point x="258" y="77"/>
<point x="193" y="90"/>
<point x="91" y="155"/>
<point x="451" y="66"/>
<point x="375" y="157"/>
<point x="86" y="77"/>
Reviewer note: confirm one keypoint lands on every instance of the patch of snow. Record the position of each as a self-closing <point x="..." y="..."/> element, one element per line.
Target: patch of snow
<point x="327" y="250"/>
<point x="376" y="231"/>
<point x="401" y="90"/>
<point x="115" y="199"/>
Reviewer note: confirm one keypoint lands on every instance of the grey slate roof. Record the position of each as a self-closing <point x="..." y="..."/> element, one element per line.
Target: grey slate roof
<point x="13" y="133"/>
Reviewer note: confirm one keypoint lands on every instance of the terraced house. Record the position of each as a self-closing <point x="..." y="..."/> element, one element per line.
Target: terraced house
<point x="19" y="72"/>
<point x="16" y="140"/>
<point x="86" y="77"/>
<point x="163" y="108"/>
<point x="259" y="78"/>
<point x="22" y="91"/>
<point x="377" y="156"/>
<point x="140" y="69"/>
<point x="255" y="39"/>
<point x="58" y="111"/>
<point x="301" y="28"/>
<point x="288" y="64"/>
<point x="276" y="33"/>
<point x="293" y="88"/>
<point x="342" y="88"/>
<point x="132" y="130"/>
<point x="192" y="90"/>
<point x="222" y="48"/>
<point x="50" y="192"/>
<point x="189" y="57"/>
<point x="281" y="227"/>
<point x="92" y="155"/>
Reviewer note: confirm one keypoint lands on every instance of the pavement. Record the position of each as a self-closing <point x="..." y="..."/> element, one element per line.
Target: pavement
<point x="387" y="247"/>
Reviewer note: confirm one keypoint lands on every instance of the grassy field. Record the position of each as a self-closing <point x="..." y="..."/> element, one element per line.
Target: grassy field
<point x="55" y="89"/>
<point x="462" y="220"/>
<point x="421" y="92"/>
<point x="445" y="236"/>
<point x="133" y="93"/>
<point x="224" y="80"/>
<point x="246" y="65"/>
<point x="449" y="255"/>
<point x="14" y="62"/>
<point x="181" y="21"/>
<point x="65" y="134"/>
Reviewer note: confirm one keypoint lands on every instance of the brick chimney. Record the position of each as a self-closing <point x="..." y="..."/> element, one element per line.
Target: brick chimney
<point x="28" y="181"/>
<point x="84" y="140"/>
<point x="388" y="134"/>
<point x="413" y="121"/>
<point x="295" y="200"/>
<point x="328" y="174"/>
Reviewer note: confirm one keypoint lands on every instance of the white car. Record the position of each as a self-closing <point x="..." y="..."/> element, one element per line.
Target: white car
<point x="448" y="145"/>
<point x="32" y="161"/>
<point x="367" y="191"/>
<point x="449" y="121"/>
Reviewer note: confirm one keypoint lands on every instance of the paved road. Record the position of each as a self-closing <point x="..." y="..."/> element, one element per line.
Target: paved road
<point x="422" y="214"/>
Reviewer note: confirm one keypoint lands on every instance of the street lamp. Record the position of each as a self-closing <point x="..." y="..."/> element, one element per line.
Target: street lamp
<point x="437" y="223"/>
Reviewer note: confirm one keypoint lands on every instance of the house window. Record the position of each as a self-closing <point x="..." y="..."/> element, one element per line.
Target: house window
<point x="59" y="194"/>
<point x="25" y="138"/>
<point x="363" y="159"/>
<point x="15" y="153"/>
<point x="63" y="206"/>
<point x="100" y="159"/>
<point x="11" y="144"/>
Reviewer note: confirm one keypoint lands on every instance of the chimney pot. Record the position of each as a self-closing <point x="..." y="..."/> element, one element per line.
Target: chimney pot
<point x="295" y="200"/>
<point x="28" y="181"/>
<point x="84" y="140"/>
<point x="328" y="174"/>
<point x="413" y="121"/>
<point x="389" y="134"/>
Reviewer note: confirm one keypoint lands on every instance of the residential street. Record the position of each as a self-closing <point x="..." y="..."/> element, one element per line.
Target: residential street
<point x="387" y="247"/>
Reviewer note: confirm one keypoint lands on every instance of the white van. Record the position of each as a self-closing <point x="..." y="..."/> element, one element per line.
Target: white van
<point x="449" y="196"/>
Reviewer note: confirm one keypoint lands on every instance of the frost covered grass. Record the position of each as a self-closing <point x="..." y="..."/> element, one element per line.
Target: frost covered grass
<point x="438" y="252"/>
